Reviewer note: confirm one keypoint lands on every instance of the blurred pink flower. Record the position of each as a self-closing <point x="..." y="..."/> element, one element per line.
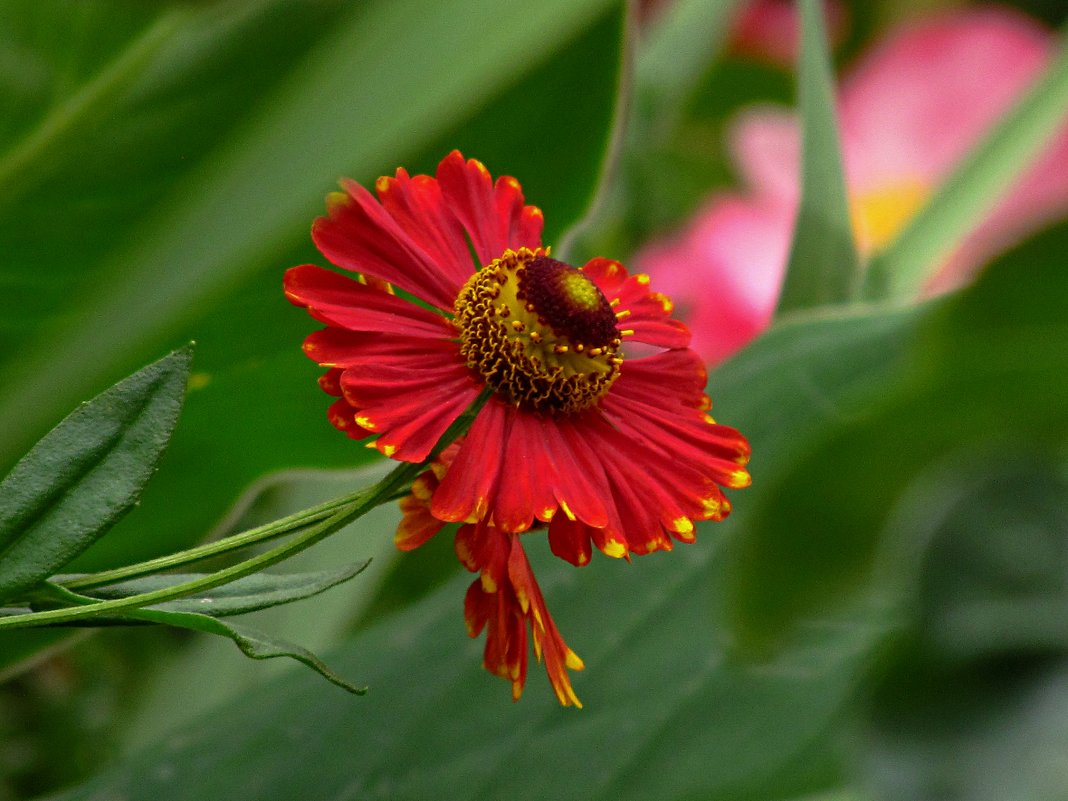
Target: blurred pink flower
<point x="908" y="111"/>
<point x="768" y="30"/>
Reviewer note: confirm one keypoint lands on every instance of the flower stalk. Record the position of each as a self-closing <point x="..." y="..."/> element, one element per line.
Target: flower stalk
<point x="316" y="523"/>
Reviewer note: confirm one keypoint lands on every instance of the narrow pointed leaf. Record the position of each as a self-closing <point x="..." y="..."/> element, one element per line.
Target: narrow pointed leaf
<point x="973" y="188"/>
<point x="258" y="591"/>
<point x="253" y="643"/>
<point x="87" y="472"/>
<point x="823" y="266"/>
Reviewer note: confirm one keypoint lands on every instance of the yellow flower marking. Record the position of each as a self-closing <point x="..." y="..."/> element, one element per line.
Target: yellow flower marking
<point x="879" y="215"/>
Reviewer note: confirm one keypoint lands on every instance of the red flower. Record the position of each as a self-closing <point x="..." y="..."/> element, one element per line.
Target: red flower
<point x="622" y="446"/>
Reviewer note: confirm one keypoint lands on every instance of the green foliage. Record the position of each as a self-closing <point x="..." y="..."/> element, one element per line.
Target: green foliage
<point x="662" y="689"/>
<point x="823" y="267"/>
<point x="974" y="702"/>
<point x="881" y="618"/>
<point x="984" y="372"/>
<point x="972" y="190"/>
<point x="87" y="473"/>
<point x="249" y="594"/>
<point x="243" y="116"/>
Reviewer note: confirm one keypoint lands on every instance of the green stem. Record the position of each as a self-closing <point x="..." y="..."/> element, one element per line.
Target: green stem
<point x="252" y="536"/>
<point x="320" y="521"/>
<point x="361" y="503"/>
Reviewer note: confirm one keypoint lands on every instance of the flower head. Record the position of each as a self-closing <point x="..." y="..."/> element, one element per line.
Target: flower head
<point x="600" y="448"/>
<point x="908" y="112"/>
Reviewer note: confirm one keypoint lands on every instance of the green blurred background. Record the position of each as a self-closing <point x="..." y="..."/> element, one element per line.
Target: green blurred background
<point x="884" y="616"/>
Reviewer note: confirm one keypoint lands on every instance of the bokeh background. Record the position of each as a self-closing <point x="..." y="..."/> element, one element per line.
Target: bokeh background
<point x="883" y="616"/>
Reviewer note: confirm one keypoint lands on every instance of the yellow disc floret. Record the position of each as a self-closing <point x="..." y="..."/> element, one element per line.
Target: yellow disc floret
<point x="539" y="332"/>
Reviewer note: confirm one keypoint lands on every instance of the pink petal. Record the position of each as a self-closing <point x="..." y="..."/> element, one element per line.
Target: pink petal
<point x="921" y="99"/>
<point x="725" y="273"/>
<point x="766" y="145"/>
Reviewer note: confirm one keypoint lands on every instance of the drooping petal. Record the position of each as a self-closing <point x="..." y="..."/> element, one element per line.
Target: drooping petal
<point x="504" y="602"/>
<point x="417" y="524"/>
<point x="359" y="234"/>
<point x="467" y="488"/>
<point x="549" y="646"/>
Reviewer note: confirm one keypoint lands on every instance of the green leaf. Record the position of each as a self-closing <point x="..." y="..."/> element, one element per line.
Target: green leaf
<point x="661" y="689"/>
<point x="974" y="700"/>
<point x="247" y="115"/>
<point x="172" y="693"/>
<point x="986" y="372"/>
<point x="258" y="591"/>
<point x="660" y="692"/>
<point x="253" y="643"/>
<point x="679" y="47"/>
<point x="87" y="473"/>
<point x="823" y="266"/>
<point x="973" y="188"/>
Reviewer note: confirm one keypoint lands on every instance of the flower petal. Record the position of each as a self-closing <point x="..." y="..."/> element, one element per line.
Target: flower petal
<point x="417" y="524"/>
<point x="765" y="142"/>
<point x="342" y="415"/>
<point x="467" y="488"/>
<point x="924" y="96"/>
<point x="725" y="273"/>
<point x="409" y="406"/>
<point x="338" y="348"/>
<point x="528" y="492"/>
<point x="494" y="216"/>
<point x="419" y="208"/>
<point x="360" y="235"/>
<point x="570" y="540"/>
<point x="682" y="370"/>
<point x="645" y="316"/>
<point x="340" y="301"/>
<point x="548" y="644"/>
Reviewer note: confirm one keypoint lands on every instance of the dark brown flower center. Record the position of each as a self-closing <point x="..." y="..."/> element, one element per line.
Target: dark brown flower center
<point x="539" y="332"/>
